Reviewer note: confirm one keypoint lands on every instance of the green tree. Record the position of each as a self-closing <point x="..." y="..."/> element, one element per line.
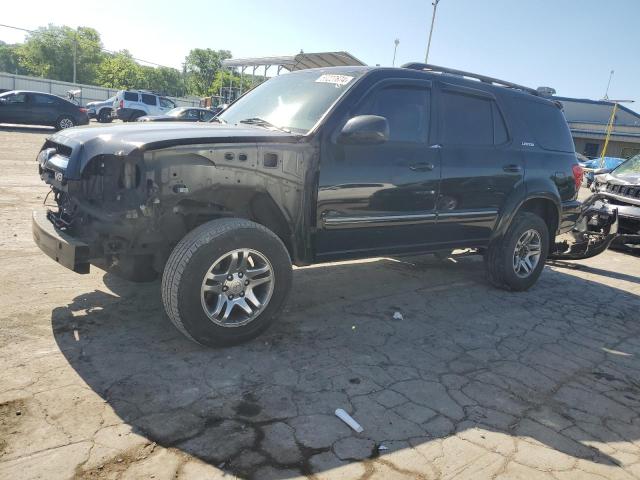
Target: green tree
<point x="120" y="71"/>
<point x="226" y="78"/>
<point x="167" y="81"/>
<point x="9" y="61"/>
<point x="201" y="66"/>
<point x="48" y="52"/>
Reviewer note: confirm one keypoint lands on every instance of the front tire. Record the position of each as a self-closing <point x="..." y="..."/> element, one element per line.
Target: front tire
<point x="226" y="282"/>
<point x="516" y="261"/>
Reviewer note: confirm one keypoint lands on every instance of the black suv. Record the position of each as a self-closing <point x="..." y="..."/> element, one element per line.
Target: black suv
<point x="313" y="166"/>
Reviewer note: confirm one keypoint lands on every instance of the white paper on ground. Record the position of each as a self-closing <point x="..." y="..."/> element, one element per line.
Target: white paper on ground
<point x="348" y="419"/>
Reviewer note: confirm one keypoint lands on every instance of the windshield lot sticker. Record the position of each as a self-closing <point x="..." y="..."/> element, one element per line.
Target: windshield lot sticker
<point x="337" y="80"/>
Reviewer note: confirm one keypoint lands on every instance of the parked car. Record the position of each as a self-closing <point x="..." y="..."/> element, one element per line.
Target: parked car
<point x="181" y="114"/>
<point x="620" y="188"/>
<point x="101" y="111"/>
<point x="314" y="166"/>
<point x="130" y="105"/>
<point x="37" y="108"/>
<point x="596" y="163"/>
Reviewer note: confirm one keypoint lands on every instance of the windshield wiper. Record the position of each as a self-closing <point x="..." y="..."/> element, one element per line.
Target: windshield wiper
<point x="261" y="122"/>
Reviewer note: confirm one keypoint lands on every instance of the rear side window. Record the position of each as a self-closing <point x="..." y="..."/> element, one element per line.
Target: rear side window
<point x="42" y="99"/>
<point x="466" y="119"/>
<point x="131" y="96"/>
<point x="148" y="99"/>
<point x="546" y="123"/>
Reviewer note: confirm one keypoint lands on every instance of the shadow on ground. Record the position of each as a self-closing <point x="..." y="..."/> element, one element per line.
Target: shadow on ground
<point x="555" y="366"/>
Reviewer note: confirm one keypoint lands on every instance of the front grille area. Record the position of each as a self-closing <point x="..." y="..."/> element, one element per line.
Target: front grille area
<point x="624" y="190"/>
<point x="60" y="149"/>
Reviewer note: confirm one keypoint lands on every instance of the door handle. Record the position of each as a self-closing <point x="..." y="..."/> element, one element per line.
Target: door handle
<point x="436" y="145"/>
<point x="422" y="167"/>
<point x="513" y="168"/>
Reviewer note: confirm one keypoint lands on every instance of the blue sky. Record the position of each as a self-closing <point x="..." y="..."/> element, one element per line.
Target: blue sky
<point x="570" y="45"/>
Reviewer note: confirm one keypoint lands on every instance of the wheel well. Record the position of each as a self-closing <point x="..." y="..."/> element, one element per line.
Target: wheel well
<point x="263" y="210"/>
<point x="546" y="210"/>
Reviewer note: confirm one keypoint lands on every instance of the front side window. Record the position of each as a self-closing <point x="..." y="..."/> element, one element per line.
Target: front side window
<point x="166" y="103"/>
<point x="405" y="108"/>
<point x="466" y="119"/>
<point x="16" y="98"/>
<point x="148" y="99"/>
<point x="292" y="101"/>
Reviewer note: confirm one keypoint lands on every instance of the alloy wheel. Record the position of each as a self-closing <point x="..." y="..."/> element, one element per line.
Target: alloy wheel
<point x="237" y="287"/>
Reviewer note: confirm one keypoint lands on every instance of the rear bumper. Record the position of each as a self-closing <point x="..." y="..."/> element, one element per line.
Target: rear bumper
<point x="64" y="249"/>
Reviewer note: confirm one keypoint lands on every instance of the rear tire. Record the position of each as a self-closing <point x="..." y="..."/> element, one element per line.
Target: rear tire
<point x="204" y="296"/>
<point x="510" y="264"/>
<point x="104" y="116"/>
<point x="65" y="121"/>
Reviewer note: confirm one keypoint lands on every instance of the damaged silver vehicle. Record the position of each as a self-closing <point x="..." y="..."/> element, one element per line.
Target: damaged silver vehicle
<point x="315" y="166"/>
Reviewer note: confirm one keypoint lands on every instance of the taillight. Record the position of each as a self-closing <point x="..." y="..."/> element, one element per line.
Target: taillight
<point x="83" y="110"/>
<point x="121" y="103"/>
<point x="577" y="175"/>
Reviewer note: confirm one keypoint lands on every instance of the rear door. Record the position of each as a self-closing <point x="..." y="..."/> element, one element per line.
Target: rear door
<point x="44" y="108"/>
<point x="381" y="198"/>
<point x="479" y="167"/>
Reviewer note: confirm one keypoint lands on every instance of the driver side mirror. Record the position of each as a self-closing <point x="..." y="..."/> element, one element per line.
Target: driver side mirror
<point x="365" y="130"/>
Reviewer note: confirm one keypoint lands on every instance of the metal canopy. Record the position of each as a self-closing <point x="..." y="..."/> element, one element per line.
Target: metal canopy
<point x="300" y="61"/>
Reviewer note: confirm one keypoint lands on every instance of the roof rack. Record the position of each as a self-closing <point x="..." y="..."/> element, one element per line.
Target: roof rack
<point x="493" y="81"/>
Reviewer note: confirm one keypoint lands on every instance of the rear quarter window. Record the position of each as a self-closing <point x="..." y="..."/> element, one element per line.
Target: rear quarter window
<point x="131" y="96"/>
<point x="546" y="123"/>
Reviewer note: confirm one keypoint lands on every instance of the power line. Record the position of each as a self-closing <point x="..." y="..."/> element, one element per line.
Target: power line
<point x="111" y="52"/>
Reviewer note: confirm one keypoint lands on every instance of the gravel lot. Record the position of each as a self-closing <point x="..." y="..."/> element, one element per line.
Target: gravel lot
<point x="472" y="383"/>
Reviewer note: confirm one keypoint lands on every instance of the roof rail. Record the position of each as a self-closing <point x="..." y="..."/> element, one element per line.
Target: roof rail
<point x="493" y="81"/>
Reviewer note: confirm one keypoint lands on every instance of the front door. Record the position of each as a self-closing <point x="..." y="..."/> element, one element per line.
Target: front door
<point x="479" y="167"/>
<point x="381" y="198"/>
<point x="15" y="109"/>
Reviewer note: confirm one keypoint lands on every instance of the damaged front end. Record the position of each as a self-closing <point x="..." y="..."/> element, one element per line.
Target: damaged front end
<point x="594" y="231"/>
<point x="107" y="212"/>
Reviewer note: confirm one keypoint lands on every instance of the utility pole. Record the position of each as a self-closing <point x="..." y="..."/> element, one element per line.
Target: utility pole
<point x="395" y="49"/>
<point x="606" y="93"/>
<point x="75" y="54"/>
<point x="433" y="20"/>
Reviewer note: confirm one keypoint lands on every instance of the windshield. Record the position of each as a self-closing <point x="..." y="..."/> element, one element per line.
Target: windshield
<point x="631" y="166"/>
<point x="174" y="112"/>
<point x="292" y="101"/>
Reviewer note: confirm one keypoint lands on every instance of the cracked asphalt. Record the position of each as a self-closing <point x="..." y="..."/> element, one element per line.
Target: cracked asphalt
<point x="473" y="382"/>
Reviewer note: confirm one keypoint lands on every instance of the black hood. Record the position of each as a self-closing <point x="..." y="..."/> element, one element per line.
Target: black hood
<point x="87" y="142"/>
